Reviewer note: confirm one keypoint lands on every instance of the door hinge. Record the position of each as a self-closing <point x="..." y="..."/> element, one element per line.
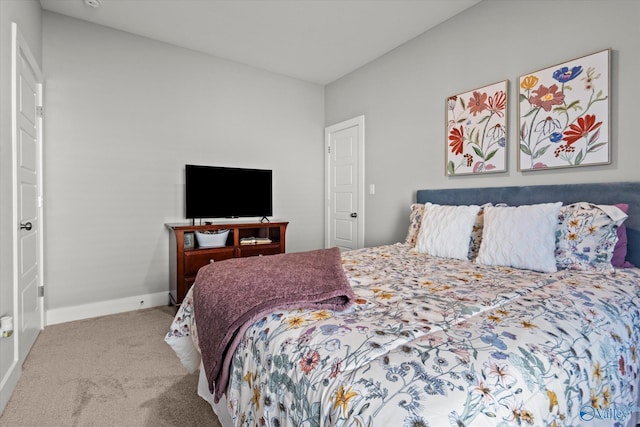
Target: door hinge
<point x="328" y="149"/>
<point x="40" y="111"/>
<point x="40" y="291"/>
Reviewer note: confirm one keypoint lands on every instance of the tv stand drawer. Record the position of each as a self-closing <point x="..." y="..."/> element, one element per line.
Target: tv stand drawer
<point x="255" y="250"/>
<point x="195" y="260"/>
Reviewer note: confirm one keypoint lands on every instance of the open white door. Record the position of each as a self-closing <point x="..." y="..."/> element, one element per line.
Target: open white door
<point x="27" y="161"/>
<point x="344" y="226"/>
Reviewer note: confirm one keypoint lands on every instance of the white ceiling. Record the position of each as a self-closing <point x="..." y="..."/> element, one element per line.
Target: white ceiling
<point x="314" y="40"/>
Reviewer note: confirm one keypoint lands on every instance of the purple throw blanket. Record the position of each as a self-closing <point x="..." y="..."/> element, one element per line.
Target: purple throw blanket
<point x="230" y="295"/>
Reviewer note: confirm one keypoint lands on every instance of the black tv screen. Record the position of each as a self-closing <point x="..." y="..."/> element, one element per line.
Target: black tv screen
<point x="224" y="192"/>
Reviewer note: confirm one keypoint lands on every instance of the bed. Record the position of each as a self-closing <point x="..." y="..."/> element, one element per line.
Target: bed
<point x="433" y="336"/>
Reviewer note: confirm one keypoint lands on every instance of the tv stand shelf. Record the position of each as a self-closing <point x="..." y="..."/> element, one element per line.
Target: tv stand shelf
<point x="186" y="260"/>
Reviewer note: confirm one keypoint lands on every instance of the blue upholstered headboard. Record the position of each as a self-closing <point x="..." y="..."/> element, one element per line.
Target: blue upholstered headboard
<point x="599" y="193"/>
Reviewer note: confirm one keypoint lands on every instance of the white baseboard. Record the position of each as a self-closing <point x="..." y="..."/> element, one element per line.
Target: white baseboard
<point x="105" y="308"/>
<point x="8" y="384"/>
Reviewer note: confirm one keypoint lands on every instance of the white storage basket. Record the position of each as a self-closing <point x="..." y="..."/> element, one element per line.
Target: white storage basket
<point x="212" y="239"/>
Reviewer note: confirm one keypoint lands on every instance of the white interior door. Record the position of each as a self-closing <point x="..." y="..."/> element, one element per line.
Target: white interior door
<point x="27" y="156"/>
<point x="345" y="184"/>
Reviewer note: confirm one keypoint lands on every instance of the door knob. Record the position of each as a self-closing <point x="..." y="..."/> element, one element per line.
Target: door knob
<point x="354" y="214"/>
<point x="26" y="226"/>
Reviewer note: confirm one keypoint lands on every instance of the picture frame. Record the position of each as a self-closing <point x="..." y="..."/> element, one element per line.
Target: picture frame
<point x="189" y="240"/>
<point x="476" y="131"/>
<point x="563" y="114"/>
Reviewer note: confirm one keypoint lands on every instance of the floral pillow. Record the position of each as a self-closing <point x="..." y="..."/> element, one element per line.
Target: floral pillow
<point x="620" y="251"/>
<point x="587" y="236"/>
<point x="476" y="233"/>
<point x="415" y="219"/>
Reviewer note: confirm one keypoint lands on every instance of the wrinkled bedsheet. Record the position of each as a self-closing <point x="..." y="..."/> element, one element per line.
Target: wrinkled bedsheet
<point x="434" y="341"/>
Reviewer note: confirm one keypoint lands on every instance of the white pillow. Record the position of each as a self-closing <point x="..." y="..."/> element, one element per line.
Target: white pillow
<point x="186" y="350"/>
<point x="445" y="231"/>
<point x="520" y="236"/>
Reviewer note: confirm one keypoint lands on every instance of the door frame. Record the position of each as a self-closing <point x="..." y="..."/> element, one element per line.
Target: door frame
<point x="354" y="122"/>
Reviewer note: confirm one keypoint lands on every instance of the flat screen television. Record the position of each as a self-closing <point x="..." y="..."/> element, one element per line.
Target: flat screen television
<point x="225" y="192"/>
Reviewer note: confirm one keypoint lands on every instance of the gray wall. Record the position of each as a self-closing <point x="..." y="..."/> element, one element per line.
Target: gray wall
<point x="124" y="114"/>
<point x="403" y="93"/>
<point x="27" y="14"/>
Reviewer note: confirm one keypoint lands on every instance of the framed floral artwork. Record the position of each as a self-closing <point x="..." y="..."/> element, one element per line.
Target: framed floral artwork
<point x="563" y="115"/>
<point x="476" y="131"/>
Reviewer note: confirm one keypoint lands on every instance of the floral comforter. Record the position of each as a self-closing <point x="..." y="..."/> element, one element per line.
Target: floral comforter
<point x="438" y="342"/>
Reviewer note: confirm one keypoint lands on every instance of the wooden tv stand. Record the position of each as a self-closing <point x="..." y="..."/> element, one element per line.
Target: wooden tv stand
<point x="184" y="262"/>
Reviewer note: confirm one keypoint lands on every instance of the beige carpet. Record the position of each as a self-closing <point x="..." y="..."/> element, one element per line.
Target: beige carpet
<point x="108" y="371"/>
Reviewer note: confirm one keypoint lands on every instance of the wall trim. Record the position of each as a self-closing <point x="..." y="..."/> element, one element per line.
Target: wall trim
<point x="105" y="308"/>
<point x="9" y="383"/>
